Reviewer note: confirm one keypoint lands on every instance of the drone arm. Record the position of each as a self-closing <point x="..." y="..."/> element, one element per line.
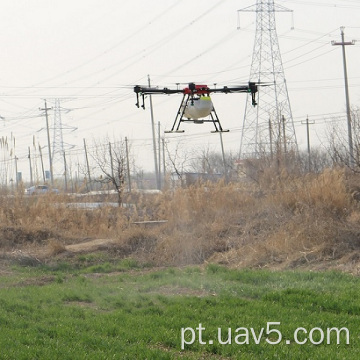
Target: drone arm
<point x="236" y="89"/>
<point x="142" y="91"/>
<point x="250" y="88"/>
<point x="151" y="91"/>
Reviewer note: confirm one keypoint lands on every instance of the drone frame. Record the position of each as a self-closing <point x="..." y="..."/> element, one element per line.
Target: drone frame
<point x="188" y="95"/>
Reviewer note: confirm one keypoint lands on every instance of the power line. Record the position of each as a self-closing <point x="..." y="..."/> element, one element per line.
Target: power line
<point x="327" y="4"/>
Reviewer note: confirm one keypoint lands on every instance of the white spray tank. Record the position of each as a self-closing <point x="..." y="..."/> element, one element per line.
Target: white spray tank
<point x="198" y="107"/>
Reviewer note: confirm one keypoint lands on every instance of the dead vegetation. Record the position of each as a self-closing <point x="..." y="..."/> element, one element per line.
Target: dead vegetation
<point x="284" y="221"/>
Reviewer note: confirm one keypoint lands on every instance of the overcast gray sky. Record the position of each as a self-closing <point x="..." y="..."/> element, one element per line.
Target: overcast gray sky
<point x="91" y="53"/>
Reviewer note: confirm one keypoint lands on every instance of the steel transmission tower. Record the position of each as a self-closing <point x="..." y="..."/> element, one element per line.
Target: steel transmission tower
<point x="58" y="145"/>
<point x="270" y="123"/>
<point x="58" y="141"/>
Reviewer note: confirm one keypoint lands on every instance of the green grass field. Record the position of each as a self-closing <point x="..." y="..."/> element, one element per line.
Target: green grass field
<point x="118" y="310"/>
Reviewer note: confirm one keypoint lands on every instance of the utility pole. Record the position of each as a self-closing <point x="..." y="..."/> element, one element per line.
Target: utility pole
<point x="159" y="154"/>
<point x="271" y="139"/>
<point x="31" y="172"/>
<point x="48" y="140"/>
<point x="65" y="171"/>
<point x="308" y="140"/>
<point x="111" y="161"/>
<point x="77" y="175"/>
<point x="164" y="164"/>
<point x="128" y="164"/>
<point x="284" y="134"/>
<point x="16" y="172"/>
<point x="223" y="157"/>
<point x="87" y="164"/>
<point x="344" y="43"/>
<point x="154" y="139"/>
<point x="42" y="163"/>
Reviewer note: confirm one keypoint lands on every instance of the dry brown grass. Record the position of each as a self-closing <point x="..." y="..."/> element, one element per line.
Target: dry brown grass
<point x="301" y="221"/>
<point x="296" y="220"/>
<point x="289" y="221"/>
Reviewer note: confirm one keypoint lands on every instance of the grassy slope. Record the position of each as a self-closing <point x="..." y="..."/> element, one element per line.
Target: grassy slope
<point x="68" y="313"/>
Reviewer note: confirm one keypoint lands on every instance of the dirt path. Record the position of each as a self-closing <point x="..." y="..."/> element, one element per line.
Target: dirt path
<point x="89" y="246"/>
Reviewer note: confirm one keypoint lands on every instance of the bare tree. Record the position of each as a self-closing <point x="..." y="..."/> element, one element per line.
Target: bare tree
<point x="208" y="162"/>
<point x="339" y="144"/>
<point x="318" y="160"/>
<point x="179" y="159"/>
<point x="110" y="159"/>
<point x="212" y="162"/>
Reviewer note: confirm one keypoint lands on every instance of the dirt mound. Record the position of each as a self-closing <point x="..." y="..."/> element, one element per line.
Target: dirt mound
<point x="90" y="246"/>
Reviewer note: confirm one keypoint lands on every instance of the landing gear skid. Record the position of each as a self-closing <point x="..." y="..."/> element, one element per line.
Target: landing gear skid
<point x="180" y="118"/>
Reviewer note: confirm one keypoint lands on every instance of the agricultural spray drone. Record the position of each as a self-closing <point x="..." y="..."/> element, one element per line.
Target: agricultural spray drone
<point x="196" y="104"/>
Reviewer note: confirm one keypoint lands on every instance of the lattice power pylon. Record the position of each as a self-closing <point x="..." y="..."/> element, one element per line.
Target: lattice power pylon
<point x="58" y="145"/>
<point x="269" y="124"/>
<point x="58" y="141"/>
